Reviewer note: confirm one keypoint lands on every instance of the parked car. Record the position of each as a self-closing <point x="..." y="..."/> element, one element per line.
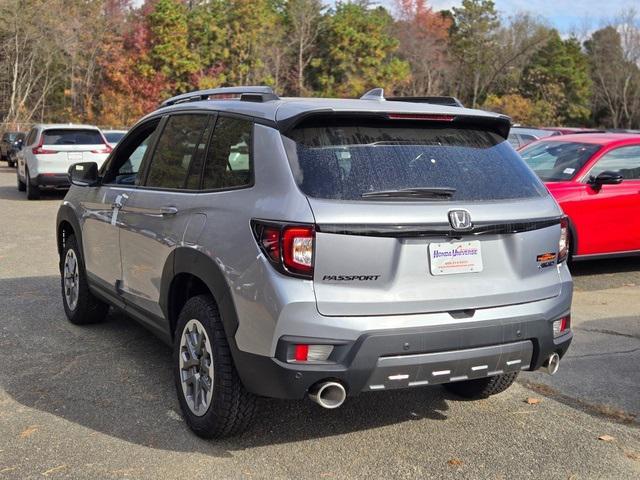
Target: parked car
<point x="50" y="150"/>
<point x="571" y="130"/>
<point x="114" y="136"/>
<point x="596" y="180"/>
<point x="15" y="148"/>
<point x="319" y="247"/>
<point x="521" y="136"/>
<point x="8" y="143"/>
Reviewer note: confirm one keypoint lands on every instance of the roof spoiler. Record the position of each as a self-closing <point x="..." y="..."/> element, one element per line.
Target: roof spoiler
<point x="378" y="94"/>
<point x="245" y="94"/>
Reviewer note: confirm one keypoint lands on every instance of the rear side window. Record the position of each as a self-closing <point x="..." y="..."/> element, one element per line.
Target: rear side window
<point x="176" y="148"/>
<point x="114" y="137"/>
<point x="351" y="159"/>
<point x="556" y="161"/>
<point x="229" y="162"/>
<point x="72" y="137"/>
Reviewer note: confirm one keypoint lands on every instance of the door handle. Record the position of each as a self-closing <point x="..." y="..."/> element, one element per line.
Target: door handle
<point x="167" y="211"/>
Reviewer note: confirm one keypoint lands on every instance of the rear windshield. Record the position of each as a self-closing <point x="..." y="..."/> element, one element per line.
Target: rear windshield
<point x="72" y="137"/>
<point x="558" y="161"/>
<point x="341" y="160"/>
<point x="114" y="137"/>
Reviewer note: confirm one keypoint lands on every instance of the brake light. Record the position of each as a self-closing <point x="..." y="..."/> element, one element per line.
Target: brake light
<point x="106" y="149"/>
<point x="288" y="247"/>
<point x="563" y="244"/>
<point x="38" y="150"/>
<point x="421" y="116"/>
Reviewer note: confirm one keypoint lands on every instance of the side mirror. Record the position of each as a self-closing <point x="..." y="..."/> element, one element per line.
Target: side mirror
<point x="84" y="174"/>
<point x="606" y="178"/>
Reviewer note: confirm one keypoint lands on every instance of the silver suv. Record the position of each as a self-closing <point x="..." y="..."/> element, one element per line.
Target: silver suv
<point x="293" y="247"/>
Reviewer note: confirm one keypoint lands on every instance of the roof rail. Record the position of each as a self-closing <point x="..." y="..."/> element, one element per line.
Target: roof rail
<point x="247" y="94"/>
<point x="378" y="94"/>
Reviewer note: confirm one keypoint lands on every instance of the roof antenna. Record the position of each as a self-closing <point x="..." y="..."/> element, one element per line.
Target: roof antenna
<point x="374" y="94"/>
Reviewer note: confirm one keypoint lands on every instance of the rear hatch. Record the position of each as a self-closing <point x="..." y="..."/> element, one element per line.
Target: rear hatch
<point x="60" y="148"/>
<point x="387" y="196"/>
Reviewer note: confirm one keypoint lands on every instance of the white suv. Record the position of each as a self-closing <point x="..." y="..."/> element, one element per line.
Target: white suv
<point x="50" y="149"/>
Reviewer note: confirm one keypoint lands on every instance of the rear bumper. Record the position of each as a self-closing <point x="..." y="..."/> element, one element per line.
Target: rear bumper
<point x="53" y="180"/>
<point x="406" y="358"/>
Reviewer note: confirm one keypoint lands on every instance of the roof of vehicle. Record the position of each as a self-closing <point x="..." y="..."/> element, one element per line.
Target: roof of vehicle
<point x="536" y="132"/>
<point x="262" y="103"/>
<point x="596" y="138"/>
<point x="115" y="131"/>
<point x="571" y="130"/>
<point x="64" y="126"/>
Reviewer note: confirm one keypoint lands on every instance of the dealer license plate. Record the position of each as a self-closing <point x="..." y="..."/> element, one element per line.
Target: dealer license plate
<point x="455" y="257"/>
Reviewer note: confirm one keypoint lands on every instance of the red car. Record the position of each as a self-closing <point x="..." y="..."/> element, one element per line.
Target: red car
<point x="595" y="177"/>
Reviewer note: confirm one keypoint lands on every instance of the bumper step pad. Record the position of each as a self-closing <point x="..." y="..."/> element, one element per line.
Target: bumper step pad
<point x="404" y="371"/>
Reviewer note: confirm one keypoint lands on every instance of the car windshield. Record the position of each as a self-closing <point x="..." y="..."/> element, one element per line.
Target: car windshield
<point x="556" y="161"/>
<point x="72" y="137"/>
<point x="400" y="160"/>
<point x="114" y="137"/>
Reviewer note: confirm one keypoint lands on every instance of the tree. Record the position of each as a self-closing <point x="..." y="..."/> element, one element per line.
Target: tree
<point x="169" y="53"/>
<point x="616" y="78"/>
<point x="424" y="41"/>
<point x="357" y="52"/>
<point x="558" y="73"/>
<point x="305" y="21"/>
<point x="474" y="36"/>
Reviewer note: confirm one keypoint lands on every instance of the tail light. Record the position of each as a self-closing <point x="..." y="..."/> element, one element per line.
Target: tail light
<point x="106" y="149"/>
<point x="289" y="247"/>
<point x="41" y="151"/>
<point x="563" y="245"/>
<point x="303" y="353"/>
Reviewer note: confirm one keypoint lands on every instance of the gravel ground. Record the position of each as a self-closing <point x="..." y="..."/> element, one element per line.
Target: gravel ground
<point x="98" y="401"/>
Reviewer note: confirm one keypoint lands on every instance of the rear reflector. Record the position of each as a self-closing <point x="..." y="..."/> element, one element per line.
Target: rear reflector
<point x="311" y="353"/>
<point x="421" y="116"/>
<point x="561" y="326"/>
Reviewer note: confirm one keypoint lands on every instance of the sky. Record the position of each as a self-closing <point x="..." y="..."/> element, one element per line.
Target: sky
<point x="565" y="15"/>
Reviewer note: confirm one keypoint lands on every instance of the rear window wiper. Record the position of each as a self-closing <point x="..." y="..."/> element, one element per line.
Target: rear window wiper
<point x="438" y="193"/>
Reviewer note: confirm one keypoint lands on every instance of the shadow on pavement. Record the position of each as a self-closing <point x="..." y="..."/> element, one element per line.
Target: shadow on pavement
<point x="116" y="378"/>
<point x="612" y="265"/>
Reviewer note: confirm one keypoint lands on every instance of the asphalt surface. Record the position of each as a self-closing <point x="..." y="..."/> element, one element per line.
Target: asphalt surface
<point x="98" y="401"/>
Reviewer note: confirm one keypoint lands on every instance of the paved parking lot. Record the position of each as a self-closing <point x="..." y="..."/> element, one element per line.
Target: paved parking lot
<point x="98" y="401"/>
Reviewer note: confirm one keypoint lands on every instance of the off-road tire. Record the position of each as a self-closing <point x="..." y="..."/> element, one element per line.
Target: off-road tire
<point x="89" y="309"/>
<point x="482" y="387"/>
<point x="232" y="407"/>
<point x="33" y="192"/>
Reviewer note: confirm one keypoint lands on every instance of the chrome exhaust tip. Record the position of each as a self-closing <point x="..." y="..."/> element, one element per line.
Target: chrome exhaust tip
<point x="553" y="364"/>
<point x="328" y="394"/>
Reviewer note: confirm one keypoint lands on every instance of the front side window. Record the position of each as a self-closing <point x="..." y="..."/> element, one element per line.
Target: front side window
<point x="175" y="150"/>
<point x="623" y="160"/>
<point x="228" y="162"/>
<point x="558" y="161"/>
<point x="124" y="165"/>
<point x="359" y="159"/>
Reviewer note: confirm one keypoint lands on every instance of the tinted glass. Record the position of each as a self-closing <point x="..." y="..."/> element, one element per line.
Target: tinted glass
<point x="343" y="160"/>
<point x="558" y="161"/>
<point x="175" y="150"/>
<point x="229" y="159"/>
<point x="72" y="137"/>
<point x="114" y="137"/>
<point x="623" y="160"/>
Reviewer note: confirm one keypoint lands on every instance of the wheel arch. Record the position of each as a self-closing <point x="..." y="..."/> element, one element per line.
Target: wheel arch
<point x="189" y="272"/>
<point x="67" y="224"/>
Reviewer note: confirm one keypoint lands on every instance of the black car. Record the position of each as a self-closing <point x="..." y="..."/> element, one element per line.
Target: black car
<point x="11" y="142"/>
